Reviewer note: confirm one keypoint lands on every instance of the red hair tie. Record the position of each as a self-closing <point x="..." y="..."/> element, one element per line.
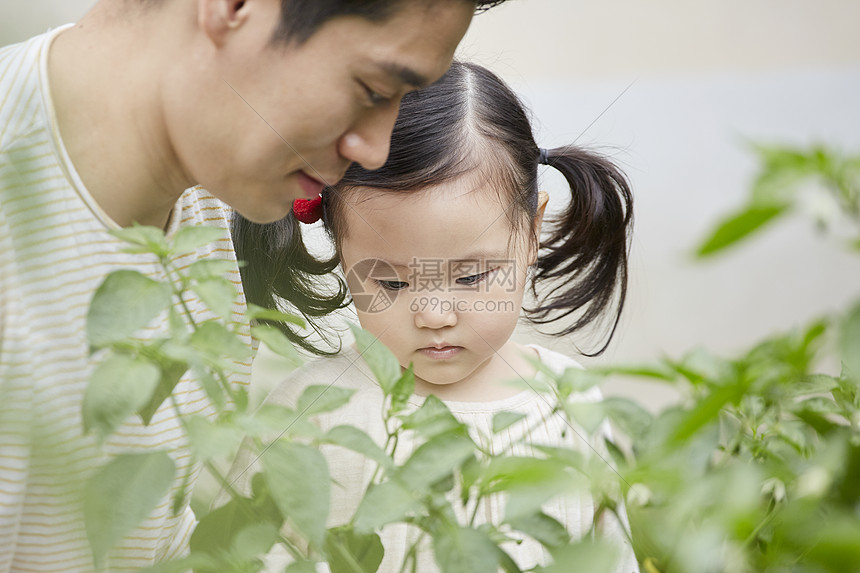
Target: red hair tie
<point x="308" y="210"/>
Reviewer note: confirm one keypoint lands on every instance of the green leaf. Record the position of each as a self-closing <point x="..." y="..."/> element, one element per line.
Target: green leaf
<point x="469" y="474"/>
<point x="279" y="419"/>
<point x="125" y="302"/>
<point x="431" y="419"/>
<point x="218" y="295"/>
<point x="738" y="226"/>
<point x="617" y="455"/>
<point x="540" y="526"/>
<point x="504" y="420"/>
<point x="436" y="459"/>
<point x="402" y="391"/>
<point x="577" y="380"/>
<point x="588" y="415"/>
<point x="301" y="567"/>
<point x="210" y="440"/>
<point x="252" y="541"/>
<point x="206" y="269"/>
<point x="384" y="503"/>
<point x="298" y="479"/>
<point x="119" y="386"/>
<point x="465" y="550"/>
<point x="701" y="368"/>
<point x="528" y="483"/>
<point x="255" y="312"/>
<point x="149" y="239"/>
<point x="213" y="388"/>
<point x="705" y="411"/>
<point x="379" y="359"/>
<point x="507" y="564"/>
<point x="849" y="342"/>
<point x="216" y="530"/>
<point x="277" y="342"/>
<point x="351" y="552"/>
<point x="179" y="331"/>
<point x="317" y="399"/>
<point x="815" y="384"/>
<point x="188" y="239"/>
<point x="658" y="372"/>
<point x="356" y="440"/>
<point x="171" y="371"/>
<point x="217" y="342"/>
<point x="594" y="557"/>
<point x="567" y="456"/>
<point x="240" y="511"/>
<point x="629" y="416"/>
<point x="837" y="544"/>
<point x="120" y="495"/>
<point x="817" y="421"/>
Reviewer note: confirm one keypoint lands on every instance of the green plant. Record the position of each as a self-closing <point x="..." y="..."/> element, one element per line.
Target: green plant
<point x="291" y="492"/>
<point x="756" y="469"/>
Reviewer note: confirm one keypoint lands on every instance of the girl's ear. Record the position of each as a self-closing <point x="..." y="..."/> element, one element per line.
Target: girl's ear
<point x="543" y="199"/>
<point x="217" y="18"/>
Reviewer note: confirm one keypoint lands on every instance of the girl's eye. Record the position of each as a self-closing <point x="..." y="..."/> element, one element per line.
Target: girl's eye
<point x="392" y="285"/>
<point x="474" y="279"/>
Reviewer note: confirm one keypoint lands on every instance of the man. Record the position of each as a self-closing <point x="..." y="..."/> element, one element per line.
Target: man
<point x="154" y="112"/>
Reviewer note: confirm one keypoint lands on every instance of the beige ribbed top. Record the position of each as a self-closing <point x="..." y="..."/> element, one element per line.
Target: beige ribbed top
<point x="351" y="472"/>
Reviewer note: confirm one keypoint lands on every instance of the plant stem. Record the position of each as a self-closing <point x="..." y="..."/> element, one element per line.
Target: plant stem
<point x="292" y="548"/>
<point x="412" y="554"/>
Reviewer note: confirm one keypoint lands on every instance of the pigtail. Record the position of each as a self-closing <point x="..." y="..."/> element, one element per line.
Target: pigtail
<point x="278" y="268"/>
<point x="583" y="261"/>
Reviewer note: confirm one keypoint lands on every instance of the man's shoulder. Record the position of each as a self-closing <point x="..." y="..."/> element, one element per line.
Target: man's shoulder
<point x="13" y="56"/>
<point x="19" y="81"/>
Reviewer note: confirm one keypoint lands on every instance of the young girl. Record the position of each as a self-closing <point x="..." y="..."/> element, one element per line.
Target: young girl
<point x="438" y="248"/>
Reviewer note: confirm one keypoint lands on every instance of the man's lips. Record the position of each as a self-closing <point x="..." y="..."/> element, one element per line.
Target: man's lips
<point x="311" y="186"/>
<point x="440" y="352"/>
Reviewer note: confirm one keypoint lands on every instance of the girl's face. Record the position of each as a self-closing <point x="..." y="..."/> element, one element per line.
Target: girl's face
<point x="438" y="277"/>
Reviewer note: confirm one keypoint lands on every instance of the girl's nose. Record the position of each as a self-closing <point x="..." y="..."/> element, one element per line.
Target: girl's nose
<point x="436" y="313"/>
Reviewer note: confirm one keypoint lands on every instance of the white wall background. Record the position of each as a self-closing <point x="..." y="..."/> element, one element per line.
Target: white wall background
<point x="701" y="77"/>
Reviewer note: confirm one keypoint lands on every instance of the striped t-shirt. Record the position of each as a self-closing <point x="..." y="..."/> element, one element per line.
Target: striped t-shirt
<point x="55" y="250"/>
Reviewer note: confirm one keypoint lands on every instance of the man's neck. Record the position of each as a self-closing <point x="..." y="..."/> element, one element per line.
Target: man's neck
<point x="105" y="95"/>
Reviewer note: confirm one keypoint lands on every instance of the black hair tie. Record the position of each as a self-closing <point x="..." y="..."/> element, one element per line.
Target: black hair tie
<point x="543" y="156"/>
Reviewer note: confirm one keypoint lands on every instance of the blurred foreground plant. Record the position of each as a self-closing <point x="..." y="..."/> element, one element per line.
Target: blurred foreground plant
<point x="288" y="501"/>
<point x="757" y="469"/>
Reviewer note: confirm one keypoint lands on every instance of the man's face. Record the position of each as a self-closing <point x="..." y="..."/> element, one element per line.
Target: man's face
<point x="261" y="124"/>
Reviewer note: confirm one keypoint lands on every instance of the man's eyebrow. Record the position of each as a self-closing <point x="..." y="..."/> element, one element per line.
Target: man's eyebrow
<point x="405" y="74"/>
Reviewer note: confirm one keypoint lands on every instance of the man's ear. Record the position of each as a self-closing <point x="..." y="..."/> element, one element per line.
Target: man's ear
<point x="217" y="18"/>
<point x="543" y="199"/>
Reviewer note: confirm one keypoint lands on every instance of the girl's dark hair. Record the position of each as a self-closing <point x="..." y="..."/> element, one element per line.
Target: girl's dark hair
<point x="281" y="274"/>
<point x="470" y="120"/>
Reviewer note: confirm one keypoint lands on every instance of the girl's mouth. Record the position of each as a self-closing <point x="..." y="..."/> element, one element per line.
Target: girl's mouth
<point x="441" y="353"/>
